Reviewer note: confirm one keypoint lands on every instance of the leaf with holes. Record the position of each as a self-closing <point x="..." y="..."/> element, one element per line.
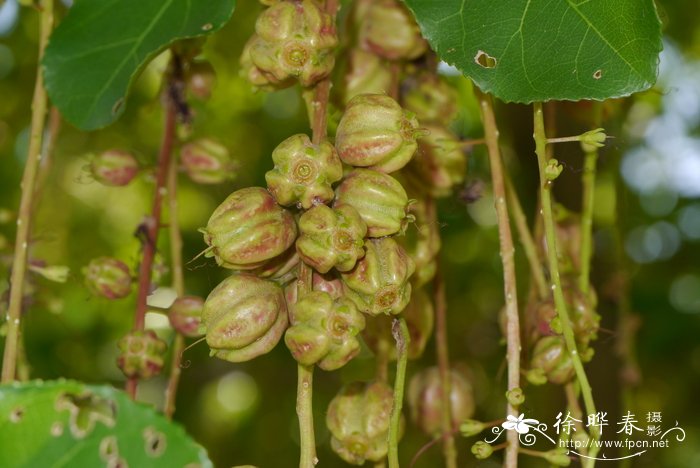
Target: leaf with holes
<point x="96" y="52"/>
<point x="68" y="423"/>
<point x="539" y="50"/>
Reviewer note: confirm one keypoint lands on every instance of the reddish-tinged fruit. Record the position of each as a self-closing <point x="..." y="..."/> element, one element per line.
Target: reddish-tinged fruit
<point x="552" y="358"/>
<point x="254" y="75"/>
<point x="432" y="100"/>
<point x="303" y="172"/>
<point x="207" y="162"/>
<point x="244" y="317"/>
<point x="248" y="229"/>
<point x="366" y="74"/>
<point x="328" y="283"/>
<point x="108" y="277"/>
<point x="439" y="164"/>
<point x="115" y="168"/>
<point x="324" y="331"/>
<point x="358" y="419"/>
<point x="376" y="132"/>
<point x="281" y="267"/>
<point x="425" y="399"/>
<point x="585" y="321"/>
<point x="389" y="30"/>
<point x="331" y="238"/>
<point x="379" y="283"/>
<point x="380" y="200"/>
<point x="185" y="315"/>
<point x="419" y="318"/>
<point x="294" y="39"/>
<point x="142" y="354"/>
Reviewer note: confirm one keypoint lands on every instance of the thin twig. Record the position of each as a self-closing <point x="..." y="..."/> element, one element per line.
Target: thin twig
<point x="399" y="329"/>
<point x="507" y="258"/>
<point x="19" y="263"/>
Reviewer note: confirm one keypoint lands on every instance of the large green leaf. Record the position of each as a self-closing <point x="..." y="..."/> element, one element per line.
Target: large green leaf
<point x="71" y="424"/>
<point x="537" y="50"/>
<point x="95" y="53"/>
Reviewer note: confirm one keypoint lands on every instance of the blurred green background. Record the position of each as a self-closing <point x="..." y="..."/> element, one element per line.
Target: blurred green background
<point x="244" y="413"/>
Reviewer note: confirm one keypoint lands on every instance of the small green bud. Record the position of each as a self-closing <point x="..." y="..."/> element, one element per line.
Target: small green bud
<point x="244" y="317"/>
<point x="379" y="284"/>
<point x="114" y="168"/>
<point x="207" y="162"/>
<point x="536" y="376"/>
<point x="471" y="427"/>
<point x="379" y="198"/>
<point x="56" y="273"/>
<point x="142" y="354"/>
<point x="185" y="315"/>
<point x="553" y="169"/>
<point x="108" y="277"/>
<point x="303" y="172"/>
<point x="557" y="457"/>
<point x="482" y="450"/>
<point x="376" y="132"/>
<point x="248" y="229"/>
<point x="593" y="139"/>
<point x="587" y="354"/>
<point x="515" y="396"/>
<point x="555" y="325"/>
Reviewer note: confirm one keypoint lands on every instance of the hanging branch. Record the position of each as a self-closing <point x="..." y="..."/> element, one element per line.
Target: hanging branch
<point x="508" y="261"/>
<point x="151" y="225"/>
<point x="552" y="257"/>
<point x="19" y="262"/>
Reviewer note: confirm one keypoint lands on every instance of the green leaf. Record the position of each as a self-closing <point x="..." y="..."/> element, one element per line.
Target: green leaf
<point x="67" y="423"/>
<point x="538" y="50"/>
<point x="96" y="52"/>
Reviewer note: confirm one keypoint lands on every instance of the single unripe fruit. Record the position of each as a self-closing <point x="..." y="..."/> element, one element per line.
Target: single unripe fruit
<point x="376" y="132"/>
<point x="255" y="76"/>
<point x="244" y="317"/>
<point x="303" y="172"/>
<point x="366" y="74"/>
<point x="294" y="40"/>
<point x="551" y="356"/>
<point x="439" y="164"/>
<point x="282" y="267"/>
<point x="248" y="229"/>
<point x="389" y="30"/>
<point x="207" y="162"/>
<point x="142" y="354"/>
<point x="185" y="315"/>
<point x="419" y="318"/>
<point x="358" y="419"/>
<point x="324" y="331"/>
<point x="200" y="78"/>
<point x="425" y="399"/>
<point x="432" y="100"/>
<point x="331" y="238"/>
<point x="108" y="277"/>
<point x="379" y="283"/>
<point x="328" y="283"/>
<point x="115" y="168"/>
<point x="379" y="198"/>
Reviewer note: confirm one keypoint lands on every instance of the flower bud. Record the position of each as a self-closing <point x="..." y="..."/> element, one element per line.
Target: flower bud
<point x="366" y="74"/>
<point x="248" y="229"/>
<point x="379" y="198"/>
<point x="550" y="355"/>
<point x="56" y="273"/>
<point x="557" y="457"/>
<point x="482" y="450"/>
<point x="471" y="427"/>
<point x="379" y="283"/>
<point x="200" y="79"/>
<point x="389" y="30"/>
<point x="331" y="238"/>
<point x="185" y="315"/>
<point x="358" y="419"/>
<point x="439" y="164"/>
<point x="515" y="396"/>
<point x="244" y="317"/>
<point x="108" y="277"/>
<point x="303" y="172"/>
<point x="142" y="354"/>
<point x="419" y="318"/>
<point x="432" y="100"/>
<point x="324" y="331"/>
<point x="294" y="40"/>
<point x="115" y="168"/>
<point x="593" y="139"/>
<point x="207" y="161"/>
<point x="425" y="399"/>
<point x="553" y="169"/>
<point x="376" y="132"/>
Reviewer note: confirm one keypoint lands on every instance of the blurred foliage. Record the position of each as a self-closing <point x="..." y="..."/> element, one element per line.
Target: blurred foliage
<point x="244" y="413"/>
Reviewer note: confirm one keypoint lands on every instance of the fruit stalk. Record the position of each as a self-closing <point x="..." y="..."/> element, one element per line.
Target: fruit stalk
<point x="399" y="329"/>
<point x="28" y="185"/>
